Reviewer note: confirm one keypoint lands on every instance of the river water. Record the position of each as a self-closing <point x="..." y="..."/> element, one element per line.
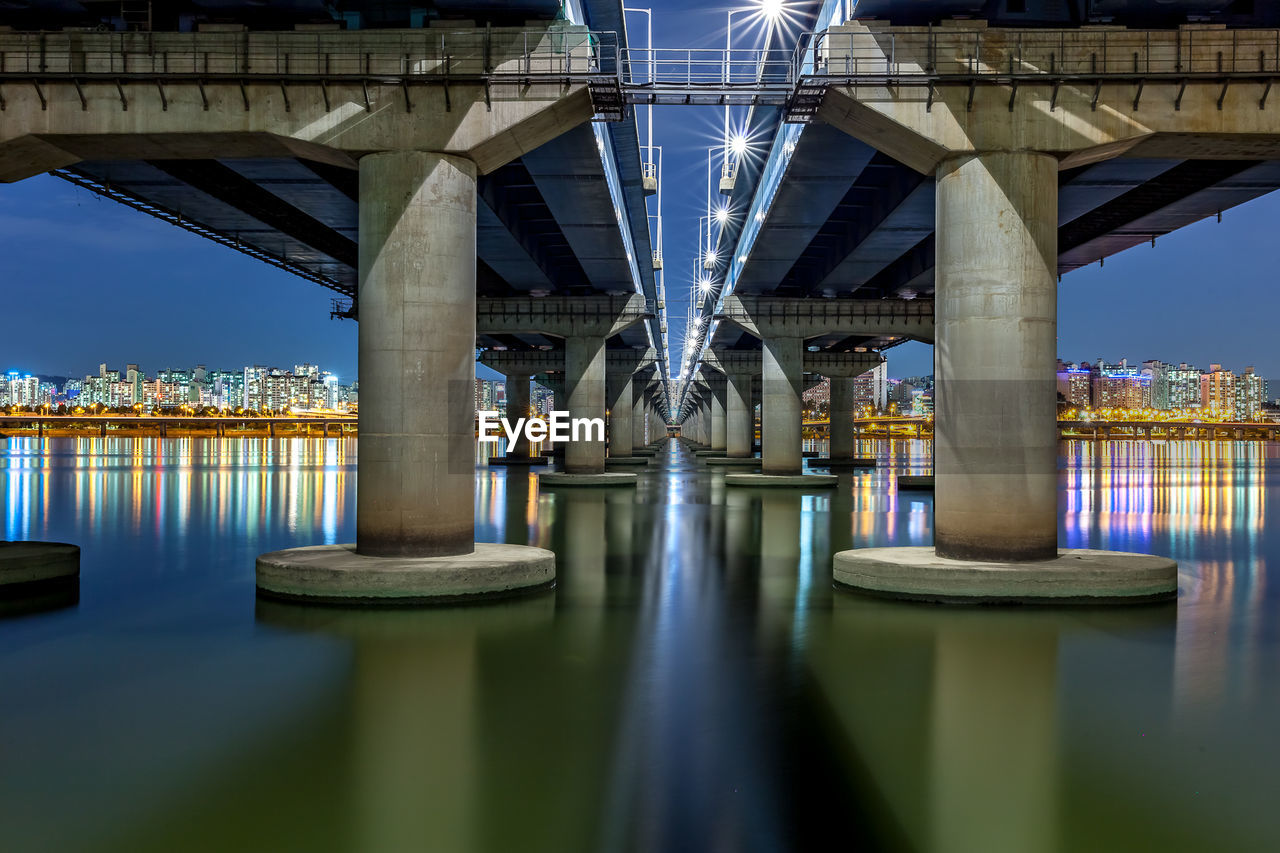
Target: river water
<point x="692" y="683"/>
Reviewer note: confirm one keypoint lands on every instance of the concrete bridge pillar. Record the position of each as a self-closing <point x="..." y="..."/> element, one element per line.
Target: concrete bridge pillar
<point x="415" y="496"/>
<point x="584" y="384"/>
<point x="517" y="386"/>
<point x="639" y="418"/>
<point x="739" y="419"/>
<point x="620" y="390"/>
<point x="841" y="408"/>
<point x="995" y="436"/>
<point x="719" y="427"/>
<point x="415" y="493"/>
<point x="783" y="371"/>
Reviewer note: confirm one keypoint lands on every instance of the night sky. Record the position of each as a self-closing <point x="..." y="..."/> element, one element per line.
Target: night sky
<point x="87" y="280"/>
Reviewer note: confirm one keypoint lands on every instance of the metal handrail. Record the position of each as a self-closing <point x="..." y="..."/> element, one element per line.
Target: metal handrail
<point x="938" y="54"/>
<point x="480" y="53"/>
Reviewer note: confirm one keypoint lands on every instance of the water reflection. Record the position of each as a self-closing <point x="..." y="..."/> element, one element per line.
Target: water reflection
<point x="694" y="682"/>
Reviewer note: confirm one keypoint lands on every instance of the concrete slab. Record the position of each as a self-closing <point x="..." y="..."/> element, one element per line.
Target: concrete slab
<point x="611" y="478"/>
<point x="23" y="563"/>
<point x="921" y="482"/>
<point x="842" y="464"/>
<point x="644" y="451"/>
<point x="786" y="481"/>
<point x="337" y="574"/>
<point x="517" y="460"/>
<point x="708" y="452"/>
<point x="733" y="461"/>
<point x="1074" y="577"/>
<point x="626" y="460"/>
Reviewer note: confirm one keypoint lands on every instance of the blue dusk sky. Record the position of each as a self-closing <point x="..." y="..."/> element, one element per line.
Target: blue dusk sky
<point x="85" y="280"/>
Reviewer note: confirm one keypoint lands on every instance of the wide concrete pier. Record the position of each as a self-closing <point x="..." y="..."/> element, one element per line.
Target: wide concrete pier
<point x="27" y="565"/>
<point x="1071" y="577"/>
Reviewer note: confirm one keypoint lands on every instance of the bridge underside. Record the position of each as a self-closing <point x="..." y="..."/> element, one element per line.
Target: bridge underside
<point x="545" y="223"/>
<point x="849" y="221"/>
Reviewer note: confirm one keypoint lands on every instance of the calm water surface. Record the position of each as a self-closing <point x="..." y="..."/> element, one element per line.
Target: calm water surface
<point x="693" y="683"/>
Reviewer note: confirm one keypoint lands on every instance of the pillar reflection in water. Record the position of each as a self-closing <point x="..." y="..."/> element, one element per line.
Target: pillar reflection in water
<point x="979" y="729"/>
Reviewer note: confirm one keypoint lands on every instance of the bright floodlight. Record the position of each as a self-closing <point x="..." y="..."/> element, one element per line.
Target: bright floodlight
<point x="738" y="144"/>
<point x="705" y="285"/>
<point x="722" y="215"/>
<point x="772" y="9"/>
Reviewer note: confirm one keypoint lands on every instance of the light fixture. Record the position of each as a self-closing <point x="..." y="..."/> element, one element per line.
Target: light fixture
<point x="738" y="144"/>
<point x="772" y="9"/>
<point x="722" y="215"/>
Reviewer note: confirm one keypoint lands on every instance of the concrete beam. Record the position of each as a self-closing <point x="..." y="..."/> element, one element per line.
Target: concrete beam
<point x="1180" y="114"/>
<point x="560" y="316"/>
<point x="82" y="111"/>
<point x="764" y="317"/>
<point x="849" y="364"/>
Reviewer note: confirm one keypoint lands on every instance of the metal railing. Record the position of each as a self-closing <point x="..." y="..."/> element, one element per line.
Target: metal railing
<point x="665" y="74"/>
<point x="939" y="54"/>
<point x="487" y="53"/>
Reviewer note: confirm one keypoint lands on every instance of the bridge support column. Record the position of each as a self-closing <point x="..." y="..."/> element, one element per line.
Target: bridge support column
<point x="584" y="382"/>
<point x="415" y="497"/>
<point x="841" y="408"/>
<point x="585" y="368"/>
<point x="995" y="425"/>
<point x="719" y="428"/>
<point x="519" y="452"/>
<point x="739" y="426"/>
<point x="621" y="392"/>
<point x="780" y="410"/>
<point x="517" y="388"/>
<point x="417" y="355"/>
<point x="639" y="419"/>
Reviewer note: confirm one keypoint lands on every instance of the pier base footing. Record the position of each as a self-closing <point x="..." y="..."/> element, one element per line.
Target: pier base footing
<point x="26" y="563"/>
<point x="920" y="482"/>
<point x="1075" y="576"/>
<point x="785" y="481"/>
<point x="611" y="478"/>
<point x="337" y="574"/>
<point x="733" y="461"/>
<point x="519" y="460"/>
<point x="842" y="464"/>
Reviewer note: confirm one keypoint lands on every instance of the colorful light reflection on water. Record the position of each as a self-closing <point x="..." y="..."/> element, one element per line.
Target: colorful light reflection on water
<point x="693" y="682"/>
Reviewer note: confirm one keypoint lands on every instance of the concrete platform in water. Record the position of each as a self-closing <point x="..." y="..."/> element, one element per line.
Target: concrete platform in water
<point x="609" y="478"/>
<point x="916" y="482"/>
<point x="1075" y="576"/>
<point x="856" y="462"/>
<point x="23" y="564"/>
<point x="337" y="574"/>
<point x="785" y="481"/>
<point x="519" y="460"/>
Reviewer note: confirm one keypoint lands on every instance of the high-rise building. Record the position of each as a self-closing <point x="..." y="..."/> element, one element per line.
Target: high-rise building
<point x="1250" y="394"/>
<point x="21" y="390"/>
<point x="1075" y="384"/>
<point x="921" y="403"/>
<point x="1218" y="392"/>
<point x="872" y="387"/>
<point x="1173" y="387"/>
<point x="490" y="394"/>
<point x="817" y="398"/>
<point x="1119" y="386"/>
